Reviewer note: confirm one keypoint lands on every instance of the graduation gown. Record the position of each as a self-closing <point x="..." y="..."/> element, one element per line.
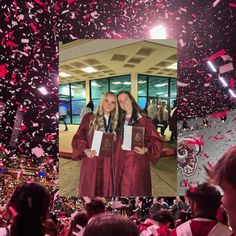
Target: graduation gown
<point x="95" y="173"/>
<point x="133" y="177"/>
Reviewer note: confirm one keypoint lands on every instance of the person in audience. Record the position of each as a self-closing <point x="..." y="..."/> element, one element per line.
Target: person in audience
<point x="204" y="202"/>
<point x="173" y="121"/>
<point x="95" y="171"/>
<point x="224" y="175"/>
<point x="87" y="109"/>
<point x="111" y="225"/>
<point x="94" y="208"/>
<point x="26" y="211"/>
<point x="163" y="117"/>
<point x="133" y="177"/>
<point x="152" y="112"/>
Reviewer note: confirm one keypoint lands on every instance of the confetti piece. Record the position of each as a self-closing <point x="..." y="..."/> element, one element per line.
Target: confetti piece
<point x="232" y="4"/>
<point x="181" y="84"/>
<point x="226" y="68"/>
<point x="216" y="55"/>
<point x="215" y="3"/>
<point x="3" y="70"/>
<point x="39" y="152"/>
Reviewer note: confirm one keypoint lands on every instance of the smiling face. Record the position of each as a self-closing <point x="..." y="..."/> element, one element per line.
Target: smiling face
<point x="228" y="201"/>
<point x="109" y="104"/>
<point x="125" y="103"/>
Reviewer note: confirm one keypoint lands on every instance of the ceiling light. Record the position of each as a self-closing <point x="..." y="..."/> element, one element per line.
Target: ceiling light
<point x="64" y="74"/>
<point x="158" y="32"/>
<point x="142" y="81"/>
<point x="212" y="66"/>
<point x="223" y="81"/>
<point x="160" y="85"/>
<point x="116" y="82"/>
<point x="43" y="90"/>
<point x="127" y="83"/>
<point x="172" y="66"/>
<point x="95" y="84"/>
<point x="89" y="69"/>
<point x="232" y="93"/>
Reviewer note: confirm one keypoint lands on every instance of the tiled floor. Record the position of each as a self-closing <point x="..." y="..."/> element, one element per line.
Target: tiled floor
<point x="163" y="174"/>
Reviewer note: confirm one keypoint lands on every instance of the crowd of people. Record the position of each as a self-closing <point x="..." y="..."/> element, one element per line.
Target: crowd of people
<point x="33" y="210"/>
<point x="161" y="117"/>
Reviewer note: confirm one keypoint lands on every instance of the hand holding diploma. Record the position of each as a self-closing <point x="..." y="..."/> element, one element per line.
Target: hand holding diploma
<point x="90" y="153"/>
<point x="140" y="151"/>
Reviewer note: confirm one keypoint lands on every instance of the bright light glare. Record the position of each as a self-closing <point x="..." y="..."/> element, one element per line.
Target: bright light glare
<point x="223" y="81"/>
<point x="232" y="93"/>
<point x="89" y="69"/>
<point x="64" y="74"/>
<point x="158" y="32"/>
<point x="211" y="65"/>
<point x="43" y="90"/>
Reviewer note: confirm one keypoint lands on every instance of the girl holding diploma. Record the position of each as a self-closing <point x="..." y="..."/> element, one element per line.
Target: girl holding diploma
<point x="133" y="177"/>
<point x="95" y="172"/>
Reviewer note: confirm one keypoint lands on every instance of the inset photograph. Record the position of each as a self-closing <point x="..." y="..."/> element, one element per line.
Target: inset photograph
<point x="118" y="127"/>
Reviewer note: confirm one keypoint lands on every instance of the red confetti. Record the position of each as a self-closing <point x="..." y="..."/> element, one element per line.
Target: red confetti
<point x="70" y="1"/>
<point x="219" y="114"/>
<point x="216" y="55"/>
<point x="196" y="142"/>
<point x="205" y="155"/>
<point x="34" y="27"/>
<point x="232" y="83"/>
<point x="3" y="70"/>
<point x="232" y="4"/>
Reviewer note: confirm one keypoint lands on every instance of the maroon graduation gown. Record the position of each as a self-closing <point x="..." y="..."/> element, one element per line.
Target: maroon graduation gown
<point x="133" y="177"/>
<point x="95" y="173"/>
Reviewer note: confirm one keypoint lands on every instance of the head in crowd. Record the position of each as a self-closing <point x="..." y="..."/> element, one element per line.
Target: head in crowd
<point x="164" y="217"/>
<point x="154" y="102"/>
<point x="111" y="225"/>
<point x="95" y="207"/>
<point x="90" y="105"/>
<point x="204" y="200"/>
<point x="224" y="175"/>
<point x="29" y="207"/>
<point x="174" y="103"/>
<point x="127" y="105"/>
<point x="108" y="105"/>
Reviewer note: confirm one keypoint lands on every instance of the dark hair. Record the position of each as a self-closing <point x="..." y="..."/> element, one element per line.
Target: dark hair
<point x="81" y="218"/>
<point x="134" y="117"/>
<point x="90" y="105"/>
<point x="207" y="197"/>
<point x="111" y="225"/>
<point x="224" y="170"/>
<point x="31" y="202"/>
<point x="96" y="206"/>
<point x="164" y="217"/>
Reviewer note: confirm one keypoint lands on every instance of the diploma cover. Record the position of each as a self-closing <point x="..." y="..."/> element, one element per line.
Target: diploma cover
<point x="137" y="137"/>
<point x="102" y="143"/>
<point x="133" y="137"/>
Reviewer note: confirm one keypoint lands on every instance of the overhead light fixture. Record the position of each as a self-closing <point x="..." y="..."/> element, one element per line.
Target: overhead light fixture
<point x="211" y="66"/>
<point x="232" y="93"/>
<point x="127" y="83"/>
<point x="158" y="32"/>
<point x="95" y="84"/>
<point x="223" y="81"/>
<point x="172" y="66"/>
<point x="89" y="69"/>
<point x="64" y="74"/>
<point x="114" y="91"/>
<point x="116" y="82"/>
<point x="142" y="81"/>
<point x="160" y="85"/>
<point x="43" y="90"/>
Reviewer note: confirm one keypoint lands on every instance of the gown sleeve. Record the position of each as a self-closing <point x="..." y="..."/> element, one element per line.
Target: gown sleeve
<point x="152" y="141"/>
<point x="80" y="139"/>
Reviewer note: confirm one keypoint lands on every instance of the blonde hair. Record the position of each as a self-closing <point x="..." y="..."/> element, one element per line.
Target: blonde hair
<point x="97" y="122"/>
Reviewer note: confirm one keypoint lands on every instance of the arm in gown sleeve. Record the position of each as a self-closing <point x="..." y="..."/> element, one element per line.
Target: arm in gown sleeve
<point x="80" y="139"/>
<point x="152" y="141"/>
